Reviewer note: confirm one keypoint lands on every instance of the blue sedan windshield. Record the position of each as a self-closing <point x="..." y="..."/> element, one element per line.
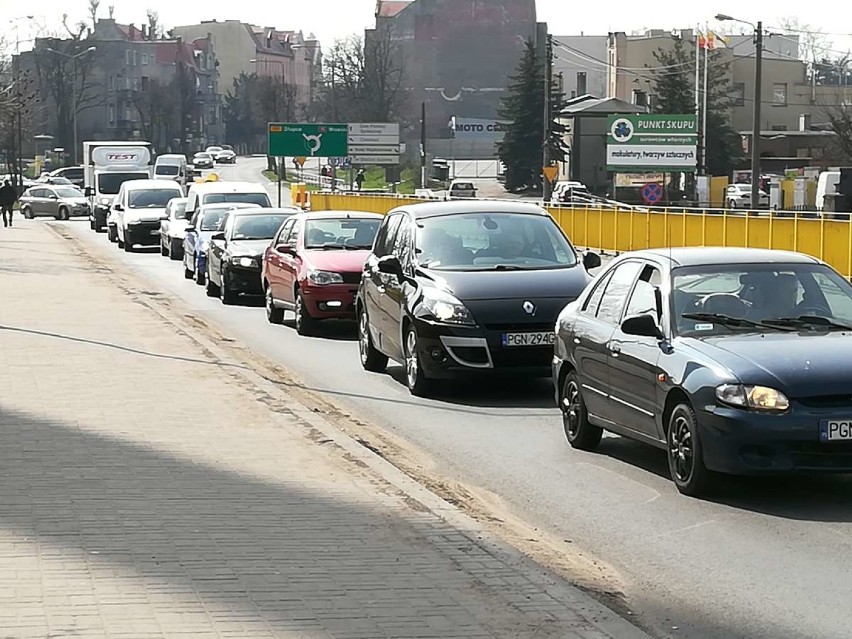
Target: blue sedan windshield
<point x="762" y="293"/>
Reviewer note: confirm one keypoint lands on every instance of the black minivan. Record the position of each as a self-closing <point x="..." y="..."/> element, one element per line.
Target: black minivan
<point x="455" y="288"/>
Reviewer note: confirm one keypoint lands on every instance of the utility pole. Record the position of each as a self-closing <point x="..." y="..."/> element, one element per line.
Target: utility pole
<point x="423" y="145"/>
<point x="548" y="81"/>
<point x="755" y="134"/>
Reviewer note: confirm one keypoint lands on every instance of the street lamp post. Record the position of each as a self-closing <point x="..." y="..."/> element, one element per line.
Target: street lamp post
<point x="758" y="94"/>
<point x="74" y="92"/>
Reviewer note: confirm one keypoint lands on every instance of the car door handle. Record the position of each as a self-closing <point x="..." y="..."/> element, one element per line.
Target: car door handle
<point x="615" y="349"/>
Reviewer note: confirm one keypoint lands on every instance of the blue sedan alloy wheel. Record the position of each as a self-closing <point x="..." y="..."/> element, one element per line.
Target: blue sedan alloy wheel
<point x="575" y="419"/>
<point x="686" y="458"/>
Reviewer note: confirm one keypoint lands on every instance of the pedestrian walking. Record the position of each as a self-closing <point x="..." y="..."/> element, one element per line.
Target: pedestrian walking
<point x="8" y="197"/>
<point x="359" y="179"/>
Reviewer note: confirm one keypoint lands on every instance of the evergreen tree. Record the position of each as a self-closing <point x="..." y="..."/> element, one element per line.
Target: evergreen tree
<point x="674" y="90"/>
<point x="523" y="110"/>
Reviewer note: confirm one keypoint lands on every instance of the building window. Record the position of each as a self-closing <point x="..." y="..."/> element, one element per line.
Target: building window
<point x="737" y="94"/>
<point x="135" y="57"/>
<point x="128" y="57"/>
<point x="145" y="83"/>
<point x="112" y="83"/>
<point x="146" y="58"/>
<point x="111" y="113"/>
<point x="779" y="94"/>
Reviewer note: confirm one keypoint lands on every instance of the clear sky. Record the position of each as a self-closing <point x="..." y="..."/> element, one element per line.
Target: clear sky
<point x="330" y="19"/>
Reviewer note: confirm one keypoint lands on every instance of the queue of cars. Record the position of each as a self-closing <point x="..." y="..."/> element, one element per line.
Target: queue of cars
<point x="729" y="360"/>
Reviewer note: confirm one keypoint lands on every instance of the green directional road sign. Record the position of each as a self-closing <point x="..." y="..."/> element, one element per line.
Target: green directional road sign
<point x="311" y="140"/>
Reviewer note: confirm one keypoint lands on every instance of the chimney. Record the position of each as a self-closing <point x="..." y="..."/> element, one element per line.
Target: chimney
<point x="805" y="122"/>
<point x="581" y="83"/>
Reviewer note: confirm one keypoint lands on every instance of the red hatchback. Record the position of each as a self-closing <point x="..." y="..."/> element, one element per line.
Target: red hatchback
<point x="313" y="266"/>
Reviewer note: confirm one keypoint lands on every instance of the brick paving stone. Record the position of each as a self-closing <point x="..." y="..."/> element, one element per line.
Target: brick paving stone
<point x="148" y="490"/>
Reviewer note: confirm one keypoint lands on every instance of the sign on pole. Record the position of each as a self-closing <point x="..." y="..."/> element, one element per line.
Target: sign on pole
<point x="649" y="142"/>
<point x="652" y="192"/>
<point x="374" y="143"/>
<point x="310" y="140"/>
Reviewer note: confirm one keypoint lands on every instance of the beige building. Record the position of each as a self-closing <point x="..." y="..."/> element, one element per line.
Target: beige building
<point x="788" y="100"/>
<point x="244" y="48"/>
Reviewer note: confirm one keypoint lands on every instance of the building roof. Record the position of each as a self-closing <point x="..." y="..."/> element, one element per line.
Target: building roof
<point x="587" y="104"/>
<point x="389" y="8"/>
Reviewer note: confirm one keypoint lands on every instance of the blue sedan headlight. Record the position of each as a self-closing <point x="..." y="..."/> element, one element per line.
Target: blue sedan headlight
<point x="759" y="398"/>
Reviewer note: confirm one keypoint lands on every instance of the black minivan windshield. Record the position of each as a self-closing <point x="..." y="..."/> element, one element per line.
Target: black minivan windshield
<point x="492" y="242"/>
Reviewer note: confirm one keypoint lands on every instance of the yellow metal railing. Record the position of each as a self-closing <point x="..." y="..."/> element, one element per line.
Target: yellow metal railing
<point x="639" y="228"/>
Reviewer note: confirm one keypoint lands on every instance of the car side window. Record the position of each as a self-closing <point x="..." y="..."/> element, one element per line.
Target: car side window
<point x="293" y="237"/>
<point x="403" y="242"/>
<point x="643" y="300"/>
<point x="387" y="235"/>
<point x="594" y="300"/>
<point x="617" y="289"/>
<point x="284" y="232"/>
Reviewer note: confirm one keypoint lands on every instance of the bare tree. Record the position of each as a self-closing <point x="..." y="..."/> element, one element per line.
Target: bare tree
<point x="155" y="29"/>
<point x="363" y="79"/>
<point x="65" y="71"/>
<point x="93" y="11"/>
<point x="840" y="119"/>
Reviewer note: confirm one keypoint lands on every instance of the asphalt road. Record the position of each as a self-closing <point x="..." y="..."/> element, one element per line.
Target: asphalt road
<point x="767" y="559"/>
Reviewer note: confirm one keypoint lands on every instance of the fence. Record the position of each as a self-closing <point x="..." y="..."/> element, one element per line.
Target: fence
<point x="635" y="229"/>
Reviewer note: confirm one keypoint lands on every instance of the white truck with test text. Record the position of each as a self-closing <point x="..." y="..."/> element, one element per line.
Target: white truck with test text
<point x="108" y="165"/>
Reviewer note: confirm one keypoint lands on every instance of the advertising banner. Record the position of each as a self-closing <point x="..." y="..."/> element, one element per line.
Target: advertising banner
<point x="652" y="142"/>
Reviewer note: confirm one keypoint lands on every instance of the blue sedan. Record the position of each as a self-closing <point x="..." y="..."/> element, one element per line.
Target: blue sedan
<point x="205" y="222"/>
<point x="731" y="360"/>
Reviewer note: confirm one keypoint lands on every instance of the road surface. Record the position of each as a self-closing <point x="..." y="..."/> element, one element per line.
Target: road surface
<point x="769" y="559"/>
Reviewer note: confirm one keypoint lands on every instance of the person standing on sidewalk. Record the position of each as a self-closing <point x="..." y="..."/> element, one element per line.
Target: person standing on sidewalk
<point x="8" y="197"/>
<point x="359" y="179"/>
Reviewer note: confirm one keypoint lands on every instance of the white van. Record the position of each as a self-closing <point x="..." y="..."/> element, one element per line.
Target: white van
<point x="171" y="167"/>
<point x="137" y="210"/>
<point x="826" y="183"/>
<point x="226" y="192"/>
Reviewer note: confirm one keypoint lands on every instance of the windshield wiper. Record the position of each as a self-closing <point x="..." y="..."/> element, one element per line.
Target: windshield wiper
<point x="728" y="320"/>
<point x="808" y="320"/>
<point x="508" y="267"/>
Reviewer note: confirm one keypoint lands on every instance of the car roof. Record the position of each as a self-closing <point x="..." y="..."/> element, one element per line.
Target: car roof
<point x="709" y="256"/>
<point x="226" y="206"/>
<point x="275" y="209"/>
<point x="336" y="215"/>
<point x="222" y="186"/>
<point x="263" y="211"/>
<point x="437" y="209"/>
<point x="151" y="185"/>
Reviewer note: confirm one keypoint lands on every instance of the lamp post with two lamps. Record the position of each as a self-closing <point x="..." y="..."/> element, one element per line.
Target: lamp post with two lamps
<point x="758" y="93"/>
<point x="75" y="57"/>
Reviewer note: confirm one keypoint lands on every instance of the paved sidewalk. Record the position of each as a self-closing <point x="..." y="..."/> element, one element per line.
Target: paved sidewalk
<point x="149" y="490"/>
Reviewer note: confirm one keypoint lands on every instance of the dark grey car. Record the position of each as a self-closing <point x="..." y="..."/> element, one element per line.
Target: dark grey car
<point x="60" y="202"/>
<point x="731" y="360"/>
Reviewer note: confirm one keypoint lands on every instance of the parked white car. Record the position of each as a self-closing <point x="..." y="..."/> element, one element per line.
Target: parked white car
<point x="462" y="189"/>
<point x="137" y="210"/>
<point x="173" y="229"/>
<point x="738" y="196"/>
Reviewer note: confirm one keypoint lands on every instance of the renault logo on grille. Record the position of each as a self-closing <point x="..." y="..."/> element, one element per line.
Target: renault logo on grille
<point x="529" y="308"/>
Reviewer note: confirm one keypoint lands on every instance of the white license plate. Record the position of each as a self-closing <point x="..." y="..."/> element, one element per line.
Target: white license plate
<point x="529" y="339"/>
<point x="835" y="430"/>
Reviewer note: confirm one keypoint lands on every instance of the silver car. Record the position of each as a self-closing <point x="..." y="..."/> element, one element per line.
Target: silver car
<point x="58" y="201"/>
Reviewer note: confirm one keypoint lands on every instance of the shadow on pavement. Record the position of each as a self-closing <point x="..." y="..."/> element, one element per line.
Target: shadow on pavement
<point x="300" y="560"/>
<point x="821" y="498"/>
